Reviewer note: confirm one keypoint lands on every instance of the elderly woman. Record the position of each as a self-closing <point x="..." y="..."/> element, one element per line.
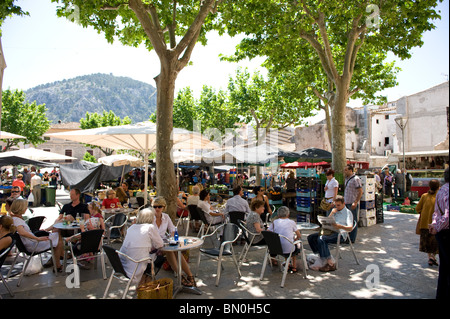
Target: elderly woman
<point x="18" y="208"/>
<point x="288" y="228"/>
<point x="165" y="226"/>
<point x="142" y="240"/>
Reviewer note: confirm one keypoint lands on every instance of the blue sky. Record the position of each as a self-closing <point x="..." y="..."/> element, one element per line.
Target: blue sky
<point x="43" y="48"/>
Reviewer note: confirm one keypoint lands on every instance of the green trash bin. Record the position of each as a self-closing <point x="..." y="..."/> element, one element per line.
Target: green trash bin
<point x="50" y="195"/>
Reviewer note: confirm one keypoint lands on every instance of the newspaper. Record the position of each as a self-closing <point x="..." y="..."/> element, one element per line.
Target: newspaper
<point x="327" y="223"/>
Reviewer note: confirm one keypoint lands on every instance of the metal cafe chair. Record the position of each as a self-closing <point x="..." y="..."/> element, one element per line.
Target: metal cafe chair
<point x="338" y="246"/>
<point x="231" y="233"/>
<point x="274" y="247"/>
<point x="118" y="270"/>
<point x="2" y="260"/>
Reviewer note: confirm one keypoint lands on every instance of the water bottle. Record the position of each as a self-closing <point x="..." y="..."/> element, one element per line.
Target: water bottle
<point x="175" y="235"/>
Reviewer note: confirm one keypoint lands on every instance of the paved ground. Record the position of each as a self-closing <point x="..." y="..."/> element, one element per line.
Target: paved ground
<point x="391" y="267"/>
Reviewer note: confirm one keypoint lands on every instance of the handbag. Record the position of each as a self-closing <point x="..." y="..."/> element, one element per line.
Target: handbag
<point x="418" y="227"/>
<point x="324" y="205"/>
<point x="155" y="289"/>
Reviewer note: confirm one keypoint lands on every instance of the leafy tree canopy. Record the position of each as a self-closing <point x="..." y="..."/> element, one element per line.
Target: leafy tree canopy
<point x="23" y="118"/>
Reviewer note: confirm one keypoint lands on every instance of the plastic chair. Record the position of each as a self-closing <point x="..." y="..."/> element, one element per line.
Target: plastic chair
<point x="3" y="256"/>
<point x="274" y="247"/>
<point x="231" y="233"/>
<point x="116" y="263"/>
<point x="248" y="236"/>
<point x="28" y="255"/>
<point x="271" y="218"/>
<point x="91" y="243"/>
<point x="338" y="245"/>
<point x="114" y="225"/>
<point x="35" y="223"/>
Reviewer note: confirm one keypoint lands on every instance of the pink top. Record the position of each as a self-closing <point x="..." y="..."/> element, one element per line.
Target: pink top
<point x="440" y="215"/>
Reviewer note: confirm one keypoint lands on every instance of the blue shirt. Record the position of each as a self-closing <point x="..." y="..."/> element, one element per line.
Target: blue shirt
<point x="344" y="217"/>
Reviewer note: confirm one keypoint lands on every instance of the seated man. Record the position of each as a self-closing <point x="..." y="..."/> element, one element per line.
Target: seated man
<point x="211" y="216"/>
<point x="319" y="241"/>
<point x="237" y="203"/>
<point x="73" y="208"/>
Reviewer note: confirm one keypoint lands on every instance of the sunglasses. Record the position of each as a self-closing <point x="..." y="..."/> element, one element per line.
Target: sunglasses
<point x="15" y="191"/>
<point x="158" y="206"/>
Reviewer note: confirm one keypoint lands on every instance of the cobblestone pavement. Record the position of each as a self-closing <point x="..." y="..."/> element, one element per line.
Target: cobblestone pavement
<point x="391" y="267"/>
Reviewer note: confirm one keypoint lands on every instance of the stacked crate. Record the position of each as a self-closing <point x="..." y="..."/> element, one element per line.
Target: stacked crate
<point x="308" y="189"/>
<point x="367" y="212"/>
<point x="379" y="208"/>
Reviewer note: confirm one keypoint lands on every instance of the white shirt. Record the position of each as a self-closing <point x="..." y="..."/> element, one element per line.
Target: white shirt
<point x="140" y="240"/>
<point x="35" y="181"/>
<point x="166" y="226"/>
<point x="331" y="185"/>
<point x="287" y="228"/>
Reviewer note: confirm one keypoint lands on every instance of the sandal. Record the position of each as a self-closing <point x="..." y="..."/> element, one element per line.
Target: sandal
<point x="292" y="270"/>
<point x="188" y="281"/>
<point x="432" y="262"/>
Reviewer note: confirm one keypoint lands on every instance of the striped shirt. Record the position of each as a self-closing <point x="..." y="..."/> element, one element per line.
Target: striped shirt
<point x="352" y="184"/>
<point x="440" y="220"/>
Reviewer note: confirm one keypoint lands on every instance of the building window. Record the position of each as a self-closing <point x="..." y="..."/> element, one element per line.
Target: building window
<point x="386" y="117"/>
<point x="68" y="153"/>
<point x="386" y="141"/>
<point x="378" y="121"/>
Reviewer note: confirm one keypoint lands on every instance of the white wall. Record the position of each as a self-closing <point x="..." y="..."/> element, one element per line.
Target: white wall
<point x="426" y="112"/>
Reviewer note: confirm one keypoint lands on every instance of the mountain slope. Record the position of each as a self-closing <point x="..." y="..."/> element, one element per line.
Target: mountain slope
<point x="69" y="100"/>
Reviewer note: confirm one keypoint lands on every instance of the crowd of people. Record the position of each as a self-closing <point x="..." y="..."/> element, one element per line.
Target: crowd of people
<point x="153" y="226"/>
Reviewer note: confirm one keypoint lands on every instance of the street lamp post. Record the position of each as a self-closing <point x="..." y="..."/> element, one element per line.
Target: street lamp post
<point x="401" y="122"/>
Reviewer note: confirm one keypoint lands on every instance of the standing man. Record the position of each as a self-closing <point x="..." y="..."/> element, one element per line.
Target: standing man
<point x="439" y="227"/>
<point x="35" y="187"/>
<point x="352" y="195"/>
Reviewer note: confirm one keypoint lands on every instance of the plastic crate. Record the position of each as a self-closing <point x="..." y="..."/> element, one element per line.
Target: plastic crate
<point x="276" y="202"/>
<point x="367" y="204"/>
<point x="306" y="172"/>
<point x="304" y="209"/>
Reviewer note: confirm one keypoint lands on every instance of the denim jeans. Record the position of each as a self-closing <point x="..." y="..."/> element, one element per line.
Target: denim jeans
<point x="319" y="244"/>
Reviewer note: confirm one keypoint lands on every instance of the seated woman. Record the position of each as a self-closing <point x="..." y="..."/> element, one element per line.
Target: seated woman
<point x="121" y="195"/>
<point x="254" y="222"/>
<point x="111" y="201"/>
<point x="7" y="229"/>
<point x="288" y="228"/>
<point x="259" y="195"/>
<point x="165" y="225"/>
<point x="18" y="208"/>
<point x="95" y="221"/>
<point x="142" y="240"/>
<point x="204" y="203"/>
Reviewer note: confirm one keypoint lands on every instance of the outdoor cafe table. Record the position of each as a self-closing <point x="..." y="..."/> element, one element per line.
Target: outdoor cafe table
<point x="191" y="243"/>
<point x="307" y="226"/>
<point x="109" y="211"/>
